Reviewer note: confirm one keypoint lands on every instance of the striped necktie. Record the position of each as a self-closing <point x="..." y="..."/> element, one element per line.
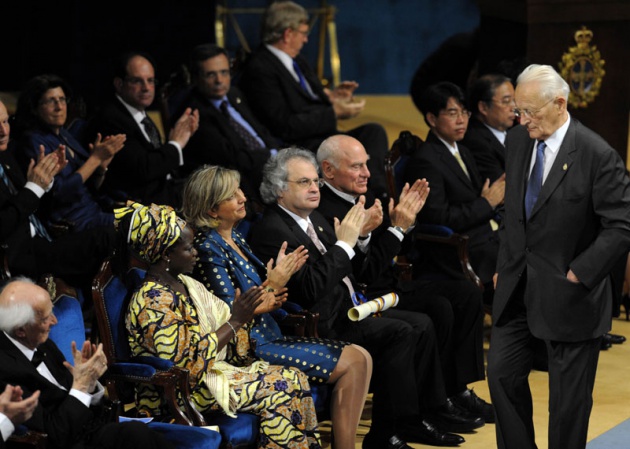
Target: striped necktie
<point x="534" y="185"/>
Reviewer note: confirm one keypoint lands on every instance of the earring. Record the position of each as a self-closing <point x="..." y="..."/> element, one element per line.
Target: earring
<point x="168" y="263"/>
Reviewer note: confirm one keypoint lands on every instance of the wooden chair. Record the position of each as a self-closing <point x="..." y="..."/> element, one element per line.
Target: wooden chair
<point x="395" y="163"/>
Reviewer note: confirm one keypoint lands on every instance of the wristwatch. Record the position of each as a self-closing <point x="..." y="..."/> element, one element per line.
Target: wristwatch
<point x="399" y="229"/>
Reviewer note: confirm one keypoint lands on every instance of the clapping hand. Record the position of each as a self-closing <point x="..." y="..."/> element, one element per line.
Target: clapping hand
<point x="14" y="407"/>
<point x="90" y="363"/>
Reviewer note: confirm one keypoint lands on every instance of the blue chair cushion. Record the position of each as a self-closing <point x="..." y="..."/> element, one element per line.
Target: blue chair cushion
<point x="187" y="437"/>
<point x="70" y="326"/>
<point x="235" y="432"/>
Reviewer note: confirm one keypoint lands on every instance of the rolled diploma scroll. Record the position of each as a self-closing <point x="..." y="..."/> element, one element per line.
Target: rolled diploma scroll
<point x="379" y="304"/>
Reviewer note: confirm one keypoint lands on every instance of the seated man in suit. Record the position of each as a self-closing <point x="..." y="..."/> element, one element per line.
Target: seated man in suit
<point x="409" y="397"/>
<point x="229" y="135"/>
<point x="460" y="198"/>
<point x="29" y="248"/>
<point x="454" y="306"/>
<point x="70" y="396"/>
<point x="491" y="101"/>
<point x="14" y="410"/>
<point x="145" y="169"/>
<point x="287" y="96"/>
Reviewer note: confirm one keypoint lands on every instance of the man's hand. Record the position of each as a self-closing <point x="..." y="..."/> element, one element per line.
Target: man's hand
<point x="572" y="277"/>
<point x="48" y="165"/>
<point x="345" y="109"/>
<point x="14" y="407"/>
<point x="494" y="193"/>
<point x="185" y="127"/>
<point x="373" y="218"/>
<point x="343" y="91"/>
<point x="90" y="363"/>
<point x="350" y="228"/>
<point x="411" y="201"/>
<point x="286" y="266"/>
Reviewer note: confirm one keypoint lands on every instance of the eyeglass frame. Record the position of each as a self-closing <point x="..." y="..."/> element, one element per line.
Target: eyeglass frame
<point x="453" y="114"/>
<point x="531" y="114"/>
<point x="54" y="101"/>
<point x="305" y="183"/>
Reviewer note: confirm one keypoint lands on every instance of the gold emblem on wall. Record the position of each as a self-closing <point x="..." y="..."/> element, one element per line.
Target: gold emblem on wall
<point x="583" y="69"/>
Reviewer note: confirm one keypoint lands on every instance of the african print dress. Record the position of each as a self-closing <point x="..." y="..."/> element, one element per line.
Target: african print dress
<point x="221" y="269"/>
<point x="172" y="326"/>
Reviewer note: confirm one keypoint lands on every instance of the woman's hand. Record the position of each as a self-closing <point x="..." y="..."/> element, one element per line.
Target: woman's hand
<point x="286" y="266"/>
<point x="245" y="305"/>
<point x="272" y="300"/>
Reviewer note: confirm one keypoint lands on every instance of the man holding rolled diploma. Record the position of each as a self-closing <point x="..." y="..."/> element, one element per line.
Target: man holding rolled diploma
<point x="454" y="306"/>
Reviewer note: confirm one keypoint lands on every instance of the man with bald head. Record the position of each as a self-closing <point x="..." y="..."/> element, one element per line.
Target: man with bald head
<point x="454" y="306"/>
<point x="70" y="394"/>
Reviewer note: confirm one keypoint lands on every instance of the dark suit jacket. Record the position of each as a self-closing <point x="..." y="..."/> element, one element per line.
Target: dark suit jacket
<point x="318" y="286"/>
<point x="63" y="417"/>
<point x="455" y="201"/>
<point x="138" y="170"/>
<point x="377" y="271"/>
<point x="488" y="152"/>
<point x="217" y="143"/>
<point x="282" y="105"/>
<point x="581" y="221"/>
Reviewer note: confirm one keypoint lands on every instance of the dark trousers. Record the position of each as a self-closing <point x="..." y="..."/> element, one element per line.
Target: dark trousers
<point x="407" y="376"/>
<point x="572" y="368"/>
<point x="456" y="309"/>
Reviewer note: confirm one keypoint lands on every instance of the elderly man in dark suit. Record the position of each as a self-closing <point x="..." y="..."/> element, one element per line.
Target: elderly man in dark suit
<point x="460" y="198"/>
<point x="69" y="395"/>
<point x="491" y="101"/>
<point x="145" y="170"/>
<point x="566" y="223"/>
<point x="407" y="380"/>
<point x="288" y="97"/>
<point x="229" y="135"/>
<point x="454" y="305"/>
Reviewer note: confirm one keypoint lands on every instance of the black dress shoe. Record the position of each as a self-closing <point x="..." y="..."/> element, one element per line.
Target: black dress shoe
<point x="393" y="442"/>
<point x="614" y="339"/>
<point x="427" y="433"/>
<point x="605" y="345"/>
<point x="469" y="400"/>
<point x="452" y="418"/>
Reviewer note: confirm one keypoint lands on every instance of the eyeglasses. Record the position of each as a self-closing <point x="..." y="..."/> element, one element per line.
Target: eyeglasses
<point x="304" y="33"/>
<point x="506" y="101"/>
<point x="136" y="82"/>
<point x="49" y="102"/>
<point x="215" y="75"/>
<point x="454" y="114"/>
<point x="305" y="183"/>
<point x="531" y="113"/>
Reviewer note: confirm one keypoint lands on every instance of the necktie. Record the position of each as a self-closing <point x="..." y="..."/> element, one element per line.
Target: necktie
<point x="534" y="185"/>
<point x="300" y="75"/>
<point x="461" y="163"/>
<point x="152" y="132"/>
<point x="250" y="140"/>
<point x="40" y="229"/>
<point x="38" y="358"/>
<point x="310" y="231"/>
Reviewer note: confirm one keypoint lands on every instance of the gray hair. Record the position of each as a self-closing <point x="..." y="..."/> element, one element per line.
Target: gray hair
<point x="275" y="173"/>
<point x="14" y="315"/>
<point x="329" y="151"/>
<point x="550" y="81"/>
<point x="279" y="16"/>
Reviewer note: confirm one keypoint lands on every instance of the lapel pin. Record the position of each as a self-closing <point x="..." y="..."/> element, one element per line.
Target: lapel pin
<point x="565" y="166"/>
<point x="238" y="100"/>
<point x="320" y="229"/>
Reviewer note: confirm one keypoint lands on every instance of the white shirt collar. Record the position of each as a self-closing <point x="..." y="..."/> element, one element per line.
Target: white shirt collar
<point x="137" y="114"/>
<point x="285" y="59"/>
<point x="500" y="135"/>
<point x="302" y="222"/>
<point x="28" y="352"/>
<point x="344" y="195"/>
<point x="452" y="148"/>
<point x="554" y="141"/>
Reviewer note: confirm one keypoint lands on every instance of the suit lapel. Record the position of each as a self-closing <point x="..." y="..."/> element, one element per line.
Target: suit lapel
<point x="297" y="231"/>
<point x="559" y="169"/>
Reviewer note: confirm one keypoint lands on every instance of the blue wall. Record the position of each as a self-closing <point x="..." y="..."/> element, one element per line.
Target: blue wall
<point x="381" y="42"/>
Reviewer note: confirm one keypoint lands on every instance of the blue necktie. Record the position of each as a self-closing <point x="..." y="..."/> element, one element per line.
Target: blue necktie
<point x="300" y="75"/>
<point x="38" y="225"/>
<point x="534" y="185"/>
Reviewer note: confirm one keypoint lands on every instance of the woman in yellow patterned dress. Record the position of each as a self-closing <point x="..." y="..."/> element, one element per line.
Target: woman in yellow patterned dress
<point x="174" y="317"/>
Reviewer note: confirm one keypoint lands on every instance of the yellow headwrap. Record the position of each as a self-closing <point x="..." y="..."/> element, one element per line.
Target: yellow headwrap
<point x="152" y="229"/>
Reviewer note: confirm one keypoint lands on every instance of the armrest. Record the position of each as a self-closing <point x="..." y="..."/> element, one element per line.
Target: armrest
<point x="26" y="437"/>
<point x="294" y="320"/>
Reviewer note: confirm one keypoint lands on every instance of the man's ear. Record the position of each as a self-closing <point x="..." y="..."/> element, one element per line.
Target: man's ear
<point x="328" y="170"/>
<point x="118" y="82"/>
<point x="432" y="119"/>
<point x="483" y="107"/>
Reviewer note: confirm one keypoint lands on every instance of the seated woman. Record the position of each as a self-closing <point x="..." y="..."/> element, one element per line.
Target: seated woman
<point x="174" y="317"/>
<point x="214" y="204"/>
<point x="42" y="112"/>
